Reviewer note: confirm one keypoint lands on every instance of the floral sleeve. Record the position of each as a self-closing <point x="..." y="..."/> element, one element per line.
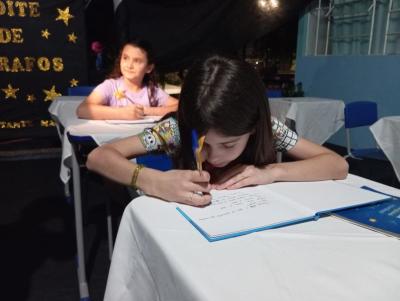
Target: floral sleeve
<point x="164" y="136"/>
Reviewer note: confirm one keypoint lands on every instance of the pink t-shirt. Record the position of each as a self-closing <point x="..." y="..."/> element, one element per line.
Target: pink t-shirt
<point x="117" y="95"/>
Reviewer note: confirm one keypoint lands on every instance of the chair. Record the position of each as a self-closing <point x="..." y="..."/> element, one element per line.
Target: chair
<point x="359" y="114"/>
<point x="157" y="161"/>
<point x="273" y="93"/>
<point x="80" y="90"/>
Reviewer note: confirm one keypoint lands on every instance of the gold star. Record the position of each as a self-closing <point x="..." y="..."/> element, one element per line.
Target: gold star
<point x="73" y="82"/>
<point x="10" y="92"/>
<point x="119" y="94"/>
<point x="45" y="33"/>
<point x="72" y="37"/>
<point x="51" y="94"/>
<point x="64" y="15"/>
<point x="30" y="98"/>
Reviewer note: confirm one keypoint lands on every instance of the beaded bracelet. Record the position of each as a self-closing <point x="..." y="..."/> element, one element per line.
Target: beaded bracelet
<point x="135" y="175"/>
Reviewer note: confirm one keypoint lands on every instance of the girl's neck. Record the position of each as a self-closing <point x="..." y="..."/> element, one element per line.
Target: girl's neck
<point x="133" y="86"/>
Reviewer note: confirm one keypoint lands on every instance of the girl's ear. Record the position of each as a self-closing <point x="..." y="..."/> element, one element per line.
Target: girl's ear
<point x="150" y="68"/>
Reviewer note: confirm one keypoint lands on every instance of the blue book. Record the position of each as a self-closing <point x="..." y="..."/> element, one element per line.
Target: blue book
<point x="242" y="211"/>
<point x="383" y="217"/>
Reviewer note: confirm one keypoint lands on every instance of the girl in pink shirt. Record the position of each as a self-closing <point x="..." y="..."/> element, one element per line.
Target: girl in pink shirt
<point x="131" y="92"/>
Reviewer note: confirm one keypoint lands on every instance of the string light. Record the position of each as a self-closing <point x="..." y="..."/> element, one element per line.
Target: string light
<point x="268" y="5"/>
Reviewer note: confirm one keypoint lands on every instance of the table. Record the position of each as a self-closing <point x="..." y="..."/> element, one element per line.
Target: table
<point x="63" y="112"/>
<point x="387" y="134"/>
<point x="158" y="255"/>
<point x="316" y="119"/>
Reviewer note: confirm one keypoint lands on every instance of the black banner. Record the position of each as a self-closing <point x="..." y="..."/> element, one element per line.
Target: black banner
<point x="42" y="53"/>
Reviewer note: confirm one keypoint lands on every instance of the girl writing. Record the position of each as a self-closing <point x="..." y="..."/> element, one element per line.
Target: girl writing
<point x="224" y="100"/>
<point x="131" y="92"/>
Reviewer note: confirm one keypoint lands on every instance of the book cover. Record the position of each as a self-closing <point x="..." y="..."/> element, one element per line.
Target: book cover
<point x="382" y="217"/>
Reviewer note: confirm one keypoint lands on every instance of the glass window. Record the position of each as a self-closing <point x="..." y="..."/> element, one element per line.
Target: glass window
<point x="353" y="27"/>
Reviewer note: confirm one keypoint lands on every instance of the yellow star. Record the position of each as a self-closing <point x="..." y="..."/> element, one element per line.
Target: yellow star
<point x="119" y="94"/>
<point x="64" y="15"/>
<point x="51" y="94"/>
<point x="72" y="37"/>
<point x="73" y="82"/>
<point x="10" y="92"/>
<point x="45" y="33"/>
<point x="30" y="98"/>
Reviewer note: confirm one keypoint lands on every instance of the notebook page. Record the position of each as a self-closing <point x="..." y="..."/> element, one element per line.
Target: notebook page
<point x="233" y="211"/>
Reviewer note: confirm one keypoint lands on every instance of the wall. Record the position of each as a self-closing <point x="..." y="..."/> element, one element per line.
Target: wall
<point x="350" y="78"/>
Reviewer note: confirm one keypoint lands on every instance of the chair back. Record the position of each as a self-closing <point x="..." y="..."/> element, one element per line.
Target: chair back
<point x="272" y="93"/>
<point x="360" y="113"/>
<point x="80" y="90"/>
<point x="156" y="161"/>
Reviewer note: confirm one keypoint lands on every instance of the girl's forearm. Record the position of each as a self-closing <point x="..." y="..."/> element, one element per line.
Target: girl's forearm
<point x="159" y="111"/>
<point x="322" y="167"/>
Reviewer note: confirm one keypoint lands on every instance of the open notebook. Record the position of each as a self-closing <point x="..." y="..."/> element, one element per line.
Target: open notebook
<point x="246" y="210"/>
<point x="146" y="119"/>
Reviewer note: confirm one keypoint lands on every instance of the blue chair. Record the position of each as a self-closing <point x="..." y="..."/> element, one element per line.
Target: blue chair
<point x="156" y="161"/>
<point x="273" y="93"/>
<point x="80" y="90"/>
<point x="359" y="114"/>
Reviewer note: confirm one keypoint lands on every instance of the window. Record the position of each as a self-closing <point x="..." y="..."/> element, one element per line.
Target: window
<point x="353" y="27"/>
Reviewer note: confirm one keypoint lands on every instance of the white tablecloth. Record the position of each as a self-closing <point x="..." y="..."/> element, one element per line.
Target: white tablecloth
<point x="63" y="110"/>
<point x="159" y="255"/>
<point x="317" y="119"/>
<point x="387" y="134"/>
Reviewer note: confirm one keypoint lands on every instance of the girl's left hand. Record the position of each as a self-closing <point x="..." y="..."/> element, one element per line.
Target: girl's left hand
<point x="244" y="175"/>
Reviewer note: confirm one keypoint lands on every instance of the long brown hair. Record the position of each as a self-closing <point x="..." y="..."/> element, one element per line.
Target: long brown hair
<point x="227" y="95"/>
<point x="149" y="79"/>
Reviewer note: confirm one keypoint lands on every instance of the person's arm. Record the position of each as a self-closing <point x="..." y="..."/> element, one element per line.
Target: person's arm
<point x="94" y="107"/>
<point x="314" y="163"/>
<point x="170" y="106"/>
<point x="111" y="161"/>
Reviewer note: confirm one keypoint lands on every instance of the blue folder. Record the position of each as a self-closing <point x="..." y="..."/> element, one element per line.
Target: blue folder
<point x="382" y="217"/>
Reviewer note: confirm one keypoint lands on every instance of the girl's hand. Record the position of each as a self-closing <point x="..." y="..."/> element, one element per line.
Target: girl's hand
<point x="138" y="111"/>
<point x="244" y="175"/>
<point x="182" y="186"/>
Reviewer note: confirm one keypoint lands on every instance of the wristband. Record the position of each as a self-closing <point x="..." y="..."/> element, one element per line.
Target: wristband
<point x="135" y="175"/>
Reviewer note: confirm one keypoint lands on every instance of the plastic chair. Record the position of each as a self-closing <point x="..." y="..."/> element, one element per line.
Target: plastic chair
<point x="159" y="161"/>
<point x="80" y="90"/>
<point x="273" y="93"/>
<point x="359" y="114"/>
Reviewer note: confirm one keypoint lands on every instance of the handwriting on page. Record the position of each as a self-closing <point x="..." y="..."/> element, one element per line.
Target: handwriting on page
<point x="234" y="203"/>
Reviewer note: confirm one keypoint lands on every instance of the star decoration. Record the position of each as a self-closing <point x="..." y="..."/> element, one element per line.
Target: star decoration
<point x="119" y="94"/>
<point x="73" y="82"/>
<point x="30" y="98"/>
<point x="72" y="37"/>
<point x="64" y="15"/>
<point x="51" y="94"/>
<point x="45" y="33"/>
<point x="10" y="92"/>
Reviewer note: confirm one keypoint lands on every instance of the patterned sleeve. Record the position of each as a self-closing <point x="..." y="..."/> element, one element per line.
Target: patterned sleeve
<point x="284" y="138"/>
<point x="164" y="136"/>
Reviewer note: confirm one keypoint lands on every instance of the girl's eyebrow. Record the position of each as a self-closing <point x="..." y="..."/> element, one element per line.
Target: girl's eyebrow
<point x="231" y="141"/>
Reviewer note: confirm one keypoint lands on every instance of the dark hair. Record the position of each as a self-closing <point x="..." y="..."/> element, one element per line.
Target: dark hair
<point x="227" y="95"/>
<point x="150" y="79"/>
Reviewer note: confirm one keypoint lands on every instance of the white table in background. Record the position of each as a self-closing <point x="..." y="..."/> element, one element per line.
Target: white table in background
<point x="387" y="134"/>
<point x="159" y="255"/>
<point x="317" y="119"/>
<point x="63" y="112"/>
